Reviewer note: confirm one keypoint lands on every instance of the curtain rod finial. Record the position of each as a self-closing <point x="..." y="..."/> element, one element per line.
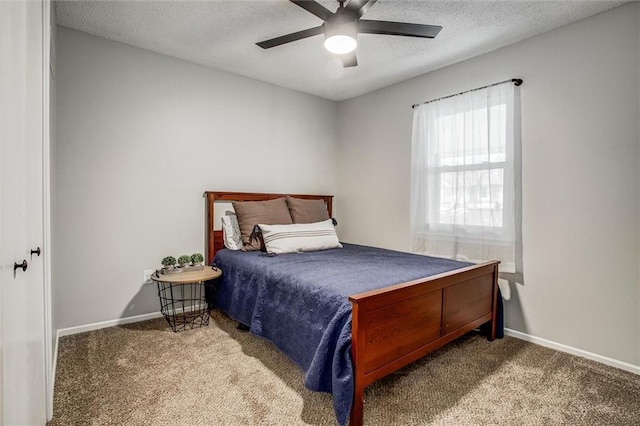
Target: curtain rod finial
<point x="517" y="81"/>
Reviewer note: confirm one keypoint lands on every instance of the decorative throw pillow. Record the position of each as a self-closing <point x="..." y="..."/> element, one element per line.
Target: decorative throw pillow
<point x="231" y="231"/>
<point x="299" y="237"/>
<point x="307" y="211"/>
<point x="251" y="213"/>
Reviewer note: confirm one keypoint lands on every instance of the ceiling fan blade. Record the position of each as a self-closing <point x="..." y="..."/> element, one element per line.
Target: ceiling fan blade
<point x="349" y="59"/>
<point x="315" y="8"/>
<point x="267" y="44"/>
<point x="360" y="7"/>
<point x="398" y="28"/>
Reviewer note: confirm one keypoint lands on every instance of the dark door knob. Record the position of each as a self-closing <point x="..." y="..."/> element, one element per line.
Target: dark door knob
<point x="36" y="251"/>
<point x="22" y="265"/>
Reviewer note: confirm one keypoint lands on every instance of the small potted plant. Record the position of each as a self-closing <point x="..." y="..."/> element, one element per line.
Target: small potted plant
<point x="184" y="260"/>
<point x="196" y="261"/>
<point x="169" y="264"/>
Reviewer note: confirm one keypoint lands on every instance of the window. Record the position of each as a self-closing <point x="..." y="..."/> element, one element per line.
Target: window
<point x="463" y="189"/>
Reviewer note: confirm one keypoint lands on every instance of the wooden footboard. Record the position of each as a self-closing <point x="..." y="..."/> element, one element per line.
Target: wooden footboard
<point x="394" y="326"/>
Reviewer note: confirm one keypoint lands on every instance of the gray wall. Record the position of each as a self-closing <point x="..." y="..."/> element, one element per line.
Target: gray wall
<point x="580" y="137"/>
<point x="140" y="137"/>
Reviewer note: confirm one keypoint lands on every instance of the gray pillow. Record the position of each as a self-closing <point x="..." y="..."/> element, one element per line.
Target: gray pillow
<point x="251" y="213"/>
<point x="307" y="211"/>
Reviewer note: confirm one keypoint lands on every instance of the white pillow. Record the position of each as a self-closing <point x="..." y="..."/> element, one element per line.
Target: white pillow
<point x="299" y="237"/>
<point x="231" y="231"/>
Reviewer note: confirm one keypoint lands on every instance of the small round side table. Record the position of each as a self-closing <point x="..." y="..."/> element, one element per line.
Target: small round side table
<point x="182" y="297"/>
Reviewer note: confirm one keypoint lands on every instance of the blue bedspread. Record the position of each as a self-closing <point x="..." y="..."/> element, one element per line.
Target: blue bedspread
<point x="300" y="303"/>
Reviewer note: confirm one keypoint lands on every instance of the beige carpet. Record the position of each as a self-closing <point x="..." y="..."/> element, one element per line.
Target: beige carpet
<point x="144" y="374"/>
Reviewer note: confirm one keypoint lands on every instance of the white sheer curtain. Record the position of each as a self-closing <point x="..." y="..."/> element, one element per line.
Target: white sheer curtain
<point x="463" y="177"/>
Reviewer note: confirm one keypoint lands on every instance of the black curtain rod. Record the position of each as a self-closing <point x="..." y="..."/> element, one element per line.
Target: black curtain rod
<point x="516" y="81"/>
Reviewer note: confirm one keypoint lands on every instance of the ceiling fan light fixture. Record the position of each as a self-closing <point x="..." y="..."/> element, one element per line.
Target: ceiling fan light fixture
<point x="340" y="44"/>
<point x="340" y="35"/>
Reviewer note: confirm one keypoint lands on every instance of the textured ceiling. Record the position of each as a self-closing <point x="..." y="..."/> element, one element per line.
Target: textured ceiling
<point x="222" y="34"/>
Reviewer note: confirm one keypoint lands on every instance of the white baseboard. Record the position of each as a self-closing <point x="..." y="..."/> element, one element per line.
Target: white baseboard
<point x="573" y="351"/>
<point x="104" y="324"/>
<point x="112" y="323"/>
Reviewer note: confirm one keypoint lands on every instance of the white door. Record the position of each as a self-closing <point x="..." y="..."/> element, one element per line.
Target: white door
<point x="22" y="327"/>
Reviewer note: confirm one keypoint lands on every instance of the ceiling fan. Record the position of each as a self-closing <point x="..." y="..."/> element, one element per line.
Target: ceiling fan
<point x="341" y="28"/>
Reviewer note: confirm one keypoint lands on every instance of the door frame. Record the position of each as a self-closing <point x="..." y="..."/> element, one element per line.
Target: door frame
<point x="49" y="367"/>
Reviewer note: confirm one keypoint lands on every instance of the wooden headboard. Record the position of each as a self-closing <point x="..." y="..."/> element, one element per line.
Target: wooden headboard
<point x="214" y="240"/>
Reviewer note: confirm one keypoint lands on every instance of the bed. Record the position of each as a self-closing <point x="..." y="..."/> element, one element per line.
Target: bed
<point x="402" y="307"/>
